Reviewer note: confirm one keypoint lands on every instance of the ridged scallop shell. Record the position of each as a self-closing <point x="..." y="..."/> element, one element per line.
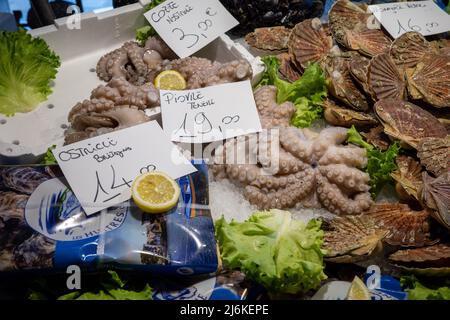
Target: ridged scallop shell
<point x="434" y="154"/>
<point x="309" y="42"/>
<point x="408" y="49"/>
<point x="358" y="67"/>
<point x="435" y="194"/>
<point x="344" y="16"/>
<point x="271" y="38"/>
<point x="352" y="239"/>
<point x="288" y="69"/>
<point x="384" y="79"/>
<point x="378" y="138"/>
<point x="435" y="256"/>
<point x="405" y="227"/>
<point x="341" y="83"/>
<point x="338" y="116"/>
<point x="430" y="80"/>
<point x="408" y="178"/>
<point x="370" y="42"/>
<point x="408" y="122"/>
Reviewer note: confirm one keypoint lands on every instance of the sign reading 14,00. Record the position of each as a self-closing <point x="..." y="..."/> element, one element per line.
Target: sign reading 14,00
<point x="189" y="25"/>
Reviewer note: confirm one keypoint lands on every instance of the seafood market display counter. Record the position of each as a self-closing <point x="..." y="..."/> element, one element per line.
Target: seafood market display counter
<point x="324" y="172"/>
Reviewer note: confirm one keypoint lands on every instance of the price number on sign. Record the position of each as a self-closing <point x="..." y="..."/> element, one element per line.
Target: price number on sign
<point x="406" y="26"/>
<point x="110" y="184"/>
<point x="191" y="39"/>
<point x="203" y="125"/>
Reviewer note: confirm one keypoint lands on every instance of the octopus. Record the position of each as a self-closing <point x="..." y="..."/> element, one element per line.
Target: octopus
<point x="201" y="72"/>
<point x="134" y="62"/>
<point x="116" y="106"/>
<point x="284" y="167"/>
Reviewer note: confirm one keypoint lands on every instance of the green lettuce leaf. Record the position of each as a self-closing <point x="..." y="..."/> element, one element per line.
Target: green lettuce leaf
<point x="109" y="286"/>
<point x="307" y="93"/>
<point x="417" y="291"/>
<point x="282" y="254"/>
<point x="380" y="164"/>
<point x="145" y="32"/>
<point x="27" y="66"/>
<point x="49" y="158"/>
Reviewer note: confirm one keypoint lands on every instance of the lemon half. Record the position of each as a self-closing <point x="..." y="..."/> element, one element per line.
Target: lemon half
<point x="170" y="80"/>
<point x="358" y="290"/>
<point x="155" y="192"/>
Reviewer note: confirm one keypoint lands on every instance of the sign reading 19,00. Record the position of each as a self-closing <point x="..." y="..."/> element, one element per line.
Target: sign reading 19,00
<point x="189" y="25"/>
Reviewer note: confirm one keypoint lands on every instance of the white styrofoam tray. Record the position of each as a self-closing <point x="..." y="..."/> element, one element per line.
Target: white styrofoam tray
<point x="24" y="138"/>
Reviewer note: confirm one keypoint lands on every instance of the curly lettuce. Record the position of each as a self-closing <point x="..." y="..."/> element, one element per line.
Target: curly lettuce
<point x="49" y="157"/>
<point x="307" y="93"/>
<point x="27" y="66"/>
<point x="417" y="291"/>
<point x="110" y="286"/>
<point x="282" y="254"/>
<point x="380" y="164"/>
<point x="145" y="32"/>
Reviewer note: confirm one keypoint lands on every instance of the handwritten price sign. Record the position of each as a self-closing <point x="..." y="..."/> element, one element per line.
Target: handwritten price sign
<point x="100" y="170"/>
<point x="210" y="114"/>
<point x="189" y="25"/>
<point x="424" y="17"/>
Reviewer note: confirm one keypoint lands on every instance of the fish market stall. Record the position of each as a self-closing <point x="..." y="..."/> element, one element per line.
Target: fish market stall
<point x="215" y="150"/>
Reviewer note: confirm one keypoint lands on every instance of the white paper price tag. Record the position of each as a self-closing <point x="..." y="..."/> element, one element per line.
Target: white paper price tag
<point x="189" y="25"/>
<point x="100" y="170"/>
<point x="210" y="114"/>
<point x="424" y="17"/>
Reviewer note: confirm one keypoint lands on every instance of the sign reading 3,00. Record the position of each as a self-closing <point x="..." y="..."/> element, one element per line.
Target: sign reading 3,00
<point x="189" y="25"/>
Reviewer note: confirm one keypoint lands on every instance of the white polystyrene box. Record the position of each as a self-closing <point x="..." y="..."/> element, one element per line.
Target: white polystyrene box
<point x="24" y="138"/>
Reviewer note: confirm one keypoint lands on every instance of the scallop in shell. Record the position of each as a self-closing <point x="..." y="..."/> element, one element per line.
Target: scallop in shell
<point x="384" y="79"/>
<point x="434" y="154"/>
<point x="430" y="80"/>
<point x="344" y="16"/>
<point x="341" y="84"/>
<point x="405" y="227"/>
<point x="407" y="122"/>
<point x="433" y="260"/>
<point x="352" y="239"/>
<point x="338" y="116"/>
<point x="288" y="69"/>
<point x="408" y="178"/>
<point x="408" y="49"/>
<point x="370" y="42"/>
<point x="377" y="137"/>
<point x="359" y="66"/>
<point x="435" y="194"/>
<point x="271" y="38"/>
<point x="309" y="42"/>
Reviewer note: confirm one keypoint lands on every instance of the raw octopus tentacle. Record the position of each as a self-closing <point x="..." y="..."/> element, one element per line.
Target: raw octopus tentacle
<point x="87" y="106"/>
<point x="135" y="55"/>
<point x="272" y="114"/>
<point x="300" y="186"/>
<point x="332" y="198"/>
<point x="349" y="155"/>
<point x="352" y="179"/>
<point x="296" y="143"/>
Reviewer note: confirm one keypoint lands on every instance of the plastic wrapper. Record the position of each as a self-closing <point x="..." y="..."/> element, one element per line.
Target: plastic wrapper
<point x="42" y="227"/>
<point x="225" y="286"/>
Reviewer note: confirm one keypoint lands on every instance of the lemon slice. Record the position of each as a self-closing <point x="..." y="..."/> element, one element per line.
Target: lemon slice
<point x="170" y="80"/>
<point x="155" y="192"/>
<point x="358" y="290"/>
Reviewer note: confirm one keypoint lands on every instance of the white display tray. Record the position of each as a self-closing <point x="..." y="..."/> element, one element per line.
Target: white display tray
<point x="24" y="138"/>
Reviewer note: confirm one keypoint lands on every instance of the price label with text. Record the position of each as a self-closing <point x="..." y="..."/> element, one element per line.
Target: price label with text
<point x="100" y="170"/>
<point x="424" y="17"/>
<point x="189" y="25"/>
<point x="210" y="114"/>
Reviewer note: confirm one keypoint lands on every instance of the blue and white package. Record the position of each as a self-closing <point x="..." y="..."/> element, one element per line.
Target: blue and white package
<point x="43" y="227"/>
